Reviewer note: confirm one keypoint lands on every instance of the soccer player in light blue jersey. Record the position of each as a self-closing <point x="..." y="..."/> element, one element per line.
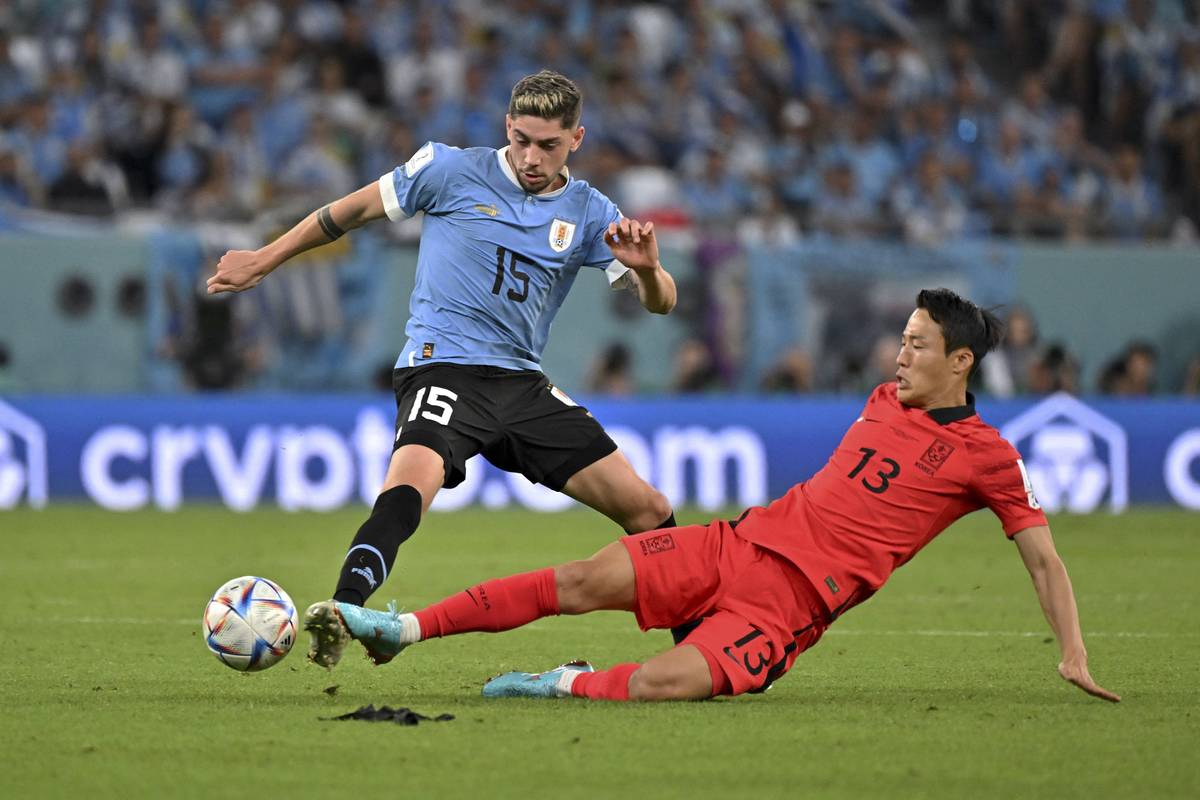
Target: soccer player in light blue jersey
<point x="504" y="236"/>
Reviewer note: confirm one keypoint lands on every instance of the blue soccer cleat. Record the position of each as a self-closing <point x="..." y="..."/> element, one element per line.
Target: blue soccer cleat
<point x="554" y="683"/>
<point x="380" y="632"/>
<point x="334" y="624"/>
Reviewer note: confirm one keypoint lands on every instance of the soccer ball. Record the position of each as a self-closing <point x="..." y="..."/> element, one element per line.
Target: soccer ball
<point x="250" y="623"/>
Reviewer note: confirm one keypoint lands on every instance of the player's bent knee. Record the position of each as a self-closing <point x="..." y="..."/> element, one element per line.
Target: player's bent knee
<point x="660" y="507"/>
<point x="578" y="587"/>
<point x="651" y="512"/>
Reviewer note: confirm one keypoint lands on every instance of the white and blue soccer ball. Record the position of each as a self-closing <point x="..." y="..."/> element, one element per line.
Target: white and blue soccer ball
<point x="250" y="623"/>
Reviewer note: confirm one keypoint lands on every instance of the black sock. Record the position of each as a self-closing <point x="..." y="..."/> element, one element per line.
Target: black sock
<point x="396" y="515"/>
<point x="669" y="522"/>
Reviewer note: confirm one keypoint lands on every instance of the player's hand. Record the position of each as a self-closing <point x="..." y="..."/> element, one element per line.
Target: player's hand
<point x="237" y="271"/>
<point x="1075" y="671"/>
<point x="633" y="244"/>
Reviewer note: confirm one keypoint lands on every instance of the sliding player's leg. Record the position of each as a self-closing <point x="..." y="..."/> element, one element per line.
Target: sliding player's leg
<point x="604" y="581"/>
<point x="725" y="655"/>
<point x="753" y="623"/>
<point x="671" y="576"/>
<point x="681" y="673"/>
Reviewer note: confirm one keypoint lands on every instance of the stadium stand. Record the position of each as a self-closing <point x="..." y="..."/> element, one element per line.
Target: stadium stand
<point x="745" y="125"/>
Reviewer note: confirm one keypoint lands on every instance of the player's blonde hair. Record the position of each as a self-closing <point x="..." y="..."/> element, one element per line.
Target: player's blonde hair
<point x="547" y="95"/>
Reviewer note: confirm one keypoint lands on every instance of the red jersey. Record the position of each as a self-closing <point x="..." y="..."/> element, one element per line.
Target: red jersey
<point x="899" y="477"/>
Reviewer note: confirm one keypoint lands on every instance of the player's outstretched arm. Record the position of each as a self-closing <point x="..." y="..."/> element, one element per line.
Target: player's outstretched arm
<point x="239" y="270"/>
<point x="1054" y="591"/>
<point x="635" y="246"/>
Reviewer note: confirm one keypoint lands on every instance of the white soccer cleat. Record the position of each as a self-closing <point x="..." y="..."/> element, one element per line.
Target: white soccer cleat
<point x="329" y="633"/>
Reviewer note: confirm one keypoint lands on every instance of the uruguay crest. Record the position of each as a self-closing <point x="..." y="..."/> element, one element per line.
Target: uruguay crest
<point x="561" y="234"/>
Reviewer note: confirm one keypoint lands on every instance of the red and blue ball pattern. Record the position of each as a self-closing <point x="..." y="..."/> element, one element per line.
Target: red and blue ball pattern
<point x="250" y="623"/>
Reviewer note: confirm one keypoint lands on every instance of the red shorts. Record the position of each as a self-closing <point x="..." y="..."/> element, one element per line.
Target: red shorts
<point x="758" y="610"/>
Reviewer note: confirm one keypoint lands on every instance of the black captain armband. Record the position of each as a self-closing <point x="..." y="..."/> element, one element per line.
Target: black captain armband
<point x="325" y="220"/>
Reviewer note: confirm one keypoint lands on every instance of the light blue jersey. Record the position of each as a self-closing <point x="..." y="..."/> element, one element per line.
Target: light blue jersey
<point x="496" y="262"/>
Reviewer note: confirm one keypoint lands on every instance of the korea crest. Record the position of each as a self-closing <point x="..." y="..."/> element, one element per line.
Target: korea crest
<point x="561" y="234"/>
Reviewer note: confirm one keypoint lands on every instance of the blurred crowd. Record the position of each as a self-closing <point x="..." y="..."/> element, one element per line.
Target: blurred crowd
<point x="746" y="121"/>
<point x="928" y="121"/>
<point x="1023" y="365"/>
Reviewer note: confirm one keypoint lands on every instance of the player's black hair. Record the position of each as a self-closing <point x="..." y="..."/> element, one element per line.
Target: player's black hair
<point x="548" y="95"/>
<point x="963" y="323"/>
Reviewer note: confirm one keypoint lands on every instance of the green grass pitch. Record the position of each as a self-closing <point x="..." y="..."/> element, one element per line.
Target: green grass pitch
<point x="943" y="685"/>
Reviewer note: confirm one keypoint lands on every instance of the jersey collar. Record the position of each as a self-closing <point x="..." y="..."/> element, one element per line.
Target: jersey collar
<point x="944" y="416"/>
<point x="502" y="157"/>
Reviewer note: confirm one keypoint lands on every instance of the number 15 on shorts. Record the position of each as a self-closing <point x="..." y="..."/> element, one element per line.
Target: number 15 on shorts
<point x="438" y="399"/>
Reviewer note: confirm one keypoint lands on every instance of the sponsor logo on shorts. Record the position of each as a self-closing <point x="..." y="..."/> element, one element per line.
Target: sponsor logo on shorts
<point x="832" y="584"/>
<point x="654" y="545"/>
<point x="934" y="457"/>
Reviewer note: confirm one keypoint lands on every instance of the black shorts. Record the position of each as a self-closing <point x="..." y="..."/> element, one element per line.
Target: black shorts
<point x="515" y="418"/>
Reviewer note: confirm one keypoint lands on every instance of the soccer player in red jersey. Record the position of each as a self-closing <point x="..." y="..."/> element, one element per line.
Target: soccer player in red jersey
<point x="765" y="587"/>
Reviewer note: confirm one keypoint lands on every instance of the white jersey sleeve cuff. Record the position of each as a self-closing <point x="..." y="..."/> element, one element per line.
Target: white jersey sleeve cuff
<point x="391" y="203"/>
<point x="616" y="272"/>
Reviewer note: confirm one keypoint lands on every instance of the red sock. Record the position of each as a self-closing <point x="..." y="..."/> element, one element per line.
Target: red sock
<point x="496" y="605"/>
<point x="607" y="684"/>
